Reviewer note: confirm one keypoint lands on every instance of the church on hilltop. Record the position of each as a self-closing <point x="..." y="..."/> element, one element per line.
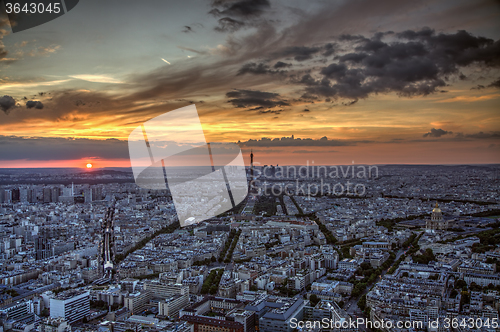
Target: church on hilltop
<point x="436" y="223"/>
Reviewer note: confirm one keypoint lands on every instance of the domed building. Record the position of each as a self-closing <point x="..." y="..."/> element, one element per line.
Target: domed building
<point x="436" y="223"/>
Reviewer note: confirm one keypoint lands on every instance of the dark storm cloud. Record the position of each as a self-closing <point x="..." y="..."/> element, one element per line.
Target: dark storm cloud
<point x="211" y="75"/>
<point x="349" y="103"/>
<point x="289" y="141"/>
<point x="227" y="24"/>
<point x="6" y="103"/>
<point x="417" y="63"/>
<point x="237" y="13"/>
<point x="239" y="8"/>
<point x="298" y="53"/>
<point x="34" y="104"/>
<point x="271" y="112"/>
<point x="74" y="106"/>
<point x="482" y="135"/>
<point x="335" y="71"/>
<point x="281" y="64"/>
<point x="423" y="33"/>
<point x="56" y="148"/>
<point x="255" y="68"/>
<point x="314" y="30"/>
<point x="307" y="79"/>
<point x="353" y="57"/>
<point x="459" y="49"/>
<point x="495" y="84"/>
<point x="249" y="98"/>
<point x="351" y="38"/>
<point x="262" y="68"/>
<point x="437" y="133"/>
<point x="403" y="66"/>
<point x="329" y="50"/>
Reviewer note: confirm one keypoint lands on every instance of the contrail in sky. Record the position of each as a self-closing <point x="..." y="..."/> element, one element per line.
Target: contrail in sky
<point x="166" y="61"/>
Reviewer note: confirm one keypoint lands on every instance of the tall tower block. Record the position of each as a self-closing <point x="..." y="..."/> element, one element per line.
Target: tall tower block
<point x="251" y="184"/>
<point x="251" y="165"/>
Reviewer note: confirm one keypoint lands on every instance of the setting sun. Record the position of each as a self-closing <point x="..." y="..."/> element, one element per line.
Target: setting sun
<point x="89" y="165"/>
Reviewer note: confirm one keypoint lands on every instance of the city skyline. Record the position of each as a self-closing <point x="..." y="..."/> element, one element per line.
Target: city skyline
<point x="95" y="252"/>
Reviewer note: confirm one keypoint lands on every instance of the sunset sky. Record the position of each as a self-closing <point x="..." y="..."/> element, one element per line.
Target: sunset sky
<point x="369" y="82"/>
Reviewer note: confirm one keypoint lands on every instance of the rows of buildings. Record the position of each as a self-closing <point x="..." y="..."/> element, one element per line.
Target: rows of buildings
<point x="267" y="272"/>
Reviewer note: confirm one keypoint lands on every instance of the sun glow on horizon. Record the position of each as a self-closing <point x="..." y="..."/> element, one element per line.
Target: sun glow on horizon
<point x="89" y="165"/>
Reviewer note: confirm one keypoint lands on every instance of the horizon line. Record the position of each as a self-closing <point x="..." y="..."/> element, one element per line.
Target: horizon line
<point x="277" y="165"/>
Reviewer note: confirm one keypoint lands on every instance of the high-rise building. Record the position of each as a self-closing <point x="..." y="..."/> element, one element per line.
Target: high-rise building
<point x="136" y="302"/>
<point x="251" y="186"/>
<point x="15" y="195"/>
<point x="165" y="290"/>
<point x="67" y="192"/>
<point x="88" y="195"/>
<point x="7" y="196"/>
<point x="170" y="307"/>
<point x="34" y="195"/>
<point x="246" y="318"/>
<point x="56" y="192"/>
<point x="70" y="305"/>
<point x="19" y="311"/>
<point x="96" y="193"/>
<point x="25" y="195"/>
<point x="43" y="248"/>
<point x="280" y="313"/>
<point x="47" y="195"/>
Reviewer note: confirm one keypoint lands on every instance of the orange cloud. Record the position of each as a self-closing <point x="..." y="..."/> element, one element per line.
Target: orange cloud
<point x="468" y="99"/>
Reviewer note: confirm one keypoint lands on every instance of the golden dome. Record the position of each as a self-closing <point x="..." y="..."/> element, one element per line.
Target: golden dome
<point x="436" y="209"/>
